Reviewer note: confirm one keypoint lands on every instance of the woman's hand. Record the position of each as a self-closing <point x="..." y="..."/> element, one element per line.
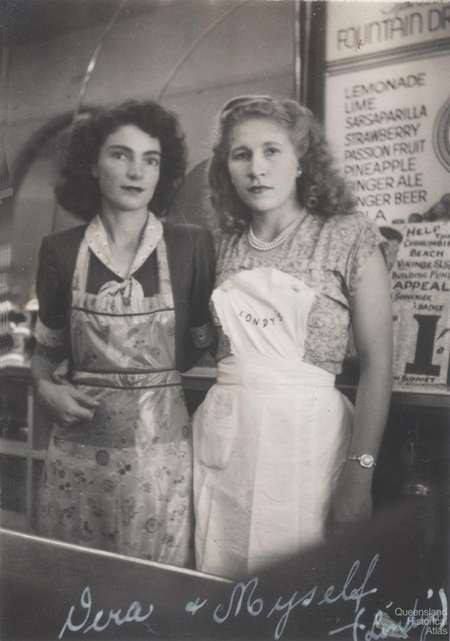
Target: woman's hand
<point x="67" y="404"/>
<point x="352" y="500"/>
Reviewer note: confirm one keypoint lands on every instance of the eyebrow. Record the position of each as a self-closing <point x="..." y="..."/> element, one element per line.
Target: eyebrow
<point x="266" y="142"/>
<point x="150" y="152"/>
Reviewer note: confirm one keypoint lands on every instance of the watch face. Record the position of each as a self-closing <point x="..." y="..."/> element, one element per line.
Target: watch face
<point x="367" y="460"/>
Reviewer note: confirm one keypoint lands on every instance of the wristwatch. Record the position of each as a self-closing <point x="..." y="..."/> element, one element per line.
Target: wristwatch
<point x="365" y="460"/>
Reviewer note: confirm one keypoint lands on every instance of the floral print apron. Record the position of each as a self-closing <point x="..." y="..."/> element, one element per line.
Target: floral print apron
<point x="122" y="482"/>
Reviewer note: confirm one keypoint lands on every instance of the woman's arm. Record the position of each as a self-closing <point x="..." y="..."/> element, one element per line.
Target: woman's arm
<point x="372" y="327"/>
<point x="65" y="403"/>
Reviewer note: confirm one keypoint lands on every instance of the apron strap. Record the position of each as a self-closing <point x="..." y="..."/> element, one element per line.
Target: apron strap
<point x="80" y="274"/>
<point x="165" y="283"/>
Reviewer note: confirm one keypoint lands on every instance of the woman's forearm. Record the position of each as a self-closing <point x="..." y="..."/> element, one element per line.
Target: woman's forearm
<point x="372" y="406"/>
<point x="353" y="496"/>
<point x="373" y="340"/>
<point x="44" y="362"/>
<point x="65" y="403"/>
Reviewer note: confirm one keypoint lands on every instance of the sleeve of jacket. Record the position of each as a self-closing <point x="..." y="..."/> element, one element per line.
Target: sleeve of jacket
<point x="203" y="276"/>
<point x="52" y="298"/>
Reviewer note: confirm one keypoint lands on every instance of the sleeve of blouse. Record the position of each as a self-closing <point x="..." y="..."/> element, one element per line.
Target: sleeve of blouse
<point x="51" y="322"/>
<point x="367" y="241"/>
<point x="203" y="282"/>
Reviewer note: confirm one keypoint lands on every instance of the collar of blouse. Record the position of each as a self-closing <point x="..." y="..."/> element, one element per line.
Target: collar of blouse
<point x="97" y="241"/>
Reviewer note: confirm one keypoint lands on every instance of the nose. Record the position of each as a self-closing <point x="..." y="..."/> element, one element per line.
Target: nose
<point x="257" y="166"/>
<point x="135" y="169"/>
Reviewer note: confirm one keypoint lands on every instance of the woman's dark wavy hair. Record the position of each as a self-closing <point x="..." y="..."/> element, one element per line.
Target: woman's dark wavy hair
<point x="77" y="190"/>
<point x="320" y="187"/>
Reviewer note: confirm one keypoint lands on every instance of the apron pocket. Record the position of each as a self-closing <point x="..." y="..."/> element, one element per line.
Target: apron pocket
<point x="215" y="425"/>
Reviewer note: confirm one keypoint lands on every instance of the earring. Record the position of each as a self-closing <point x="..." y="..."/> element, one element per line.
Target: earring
<point x="299" y="171"/>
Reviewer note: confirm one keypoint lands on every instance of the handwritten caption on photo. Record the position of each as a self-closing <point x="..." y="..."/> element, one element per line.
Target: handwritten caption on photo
<point x="244" y="600"/>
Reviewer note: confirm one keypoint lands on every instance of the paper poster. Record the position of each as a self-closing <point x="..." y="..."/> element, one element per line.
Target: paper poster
<point x="421" y="308"/>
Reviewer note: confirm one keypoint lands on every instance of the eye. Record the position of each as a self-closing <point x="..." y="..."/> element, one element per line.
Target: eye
<point x="271" y="151"/>
<point x="118" y="154"/>
<point x="240" y="155"/>
<point x="153" y="161"/>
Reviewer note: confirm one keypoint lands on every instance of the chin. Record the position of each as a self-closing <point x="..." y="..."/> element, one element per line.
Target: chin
<point x="263" y="209"/>
<point x="133" y="206"/>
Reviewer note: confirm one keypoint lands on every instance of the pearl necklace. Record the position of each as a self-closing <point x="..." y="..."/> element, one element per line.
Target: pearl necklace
<point x="264" y="245"/>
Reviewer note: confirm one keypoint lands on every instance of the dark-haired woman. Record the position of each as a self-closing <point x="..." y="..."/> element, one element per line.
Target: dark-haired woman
<point x="277" y="450"/>
<point x="123" y="303"/>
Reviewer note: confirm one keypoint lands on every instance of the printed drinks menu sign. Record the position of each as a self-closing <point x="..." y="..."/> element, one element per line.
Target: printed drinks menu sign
<point x="388" y="142"/>
<point x="388" y="104"/>
<point x="421" y="308"/>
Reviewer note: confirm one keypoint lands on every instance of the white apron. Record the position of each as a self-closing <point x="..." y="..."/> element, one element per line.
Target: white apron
<point x="272" y="434"/>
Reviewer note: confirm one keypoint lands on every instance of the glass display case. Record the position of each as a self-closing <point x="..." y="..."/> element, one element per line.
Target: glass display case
<point x="21" y="452"/>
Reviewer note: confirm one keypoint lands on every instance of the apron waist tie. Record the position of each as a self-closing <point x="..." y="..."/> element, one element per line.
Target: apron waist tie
<point x="128" y="379"/>
<point x="276" y="372"/>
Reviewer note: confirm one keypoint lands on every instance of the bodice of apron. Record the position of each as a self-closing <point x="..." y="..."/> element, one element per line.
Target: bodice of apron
<point x="120" y="333"/>
<point x="263" y="313"/>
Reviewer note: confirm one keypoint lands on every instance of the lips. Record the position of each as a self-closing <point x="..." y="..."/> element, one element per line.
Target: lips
<point x="132" y="189"/>
<point x="259" y="189"/>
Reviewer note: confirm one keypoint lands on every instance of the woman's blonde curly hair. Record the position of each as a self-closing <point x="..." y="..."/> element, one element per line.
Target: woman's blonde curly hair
<point x="321" y="190"/>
